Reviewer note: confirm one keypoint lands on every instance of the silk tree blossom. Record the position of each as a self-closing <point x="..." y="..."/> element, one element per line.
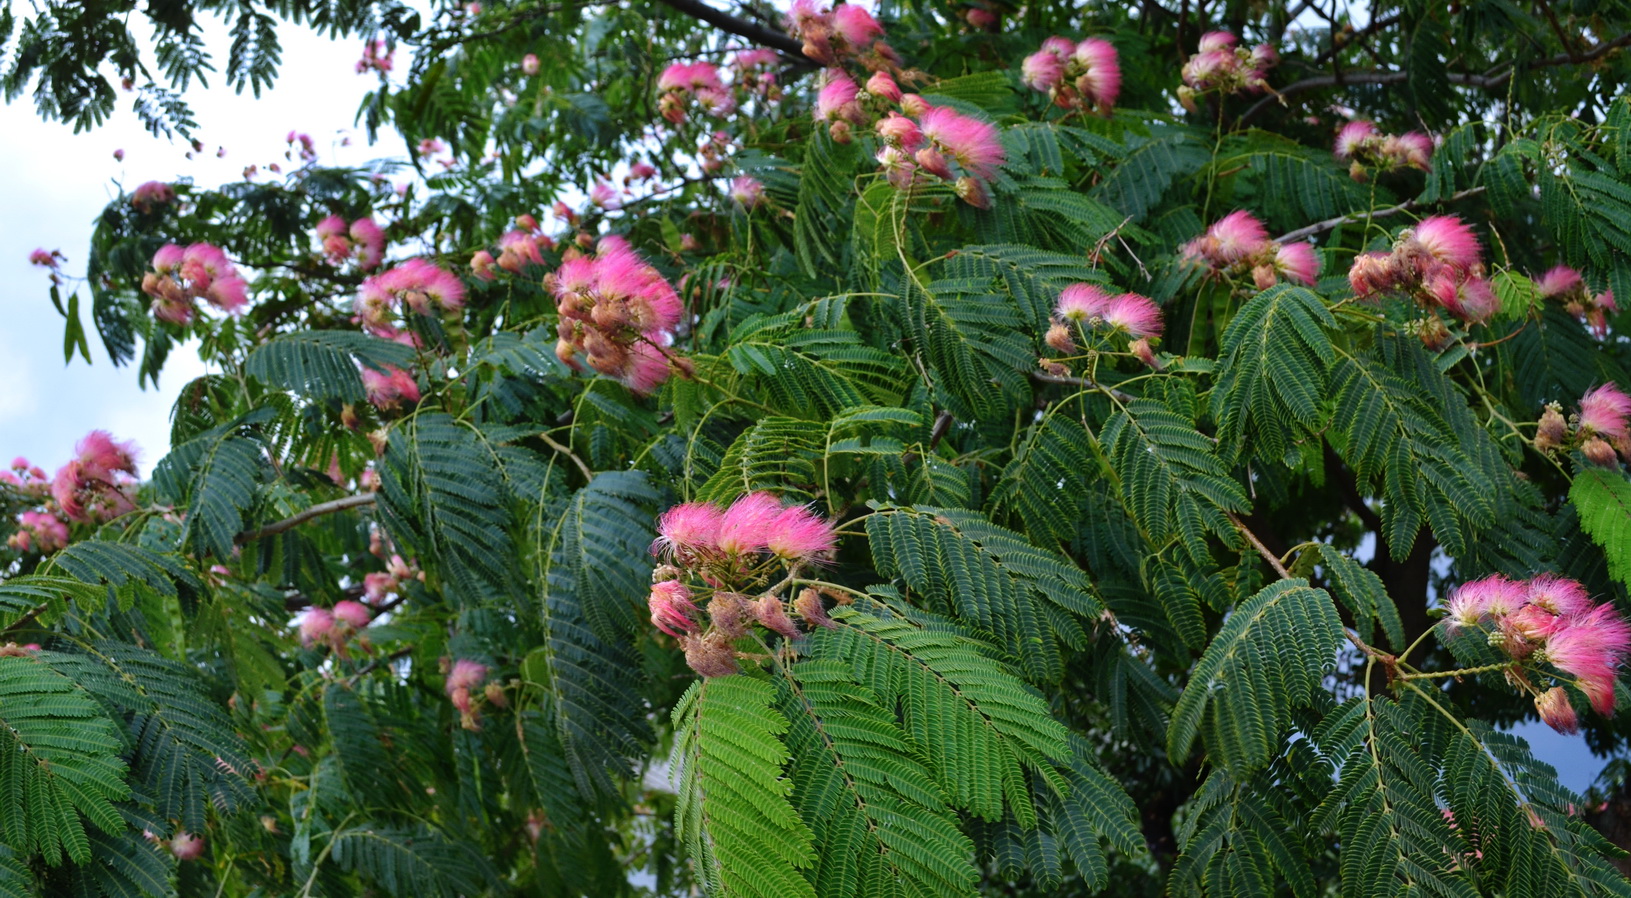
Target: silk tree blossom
<point x="838" y="98"/>
<point x="1604" y="411"/>
<point x="517" y="249"/>
<point x="96" y="484"/>
<point x="149" y="196"/>
<point x="973" y="143"/>
<point x="697" y="80"/>
<point x="1366" y="147"/>
<point x="529" y="64"/>
<point x="465" y="678"/>
<point x="1441" y="240"/>
<point x="1560" y="282"/>
<point x="747" y="192"/>
<point x="835" y="36"/>
<point x="375" y="57"/>
<point x="180" y="276"/>
<point x="1083" y="76"/>
<point x="618" y="313"/>
<point x="1557" y="711"/>
<point x="1136" y="315"/>
<point x="417" y="284"/>
<point x="1083" y="303"/>
<point x="1221" y="65"/>
<point x="1591" y="649"/>
<point x="390" y="388"/>
<point x="688" y="531"/>
<point x="672" y="608"/>
<point x="368" y="240"/>
<point x="1566" y="285"/>
<point x="331" y="233"/>
<point x="39" y="531"/>
<point x="1298" y="262"/>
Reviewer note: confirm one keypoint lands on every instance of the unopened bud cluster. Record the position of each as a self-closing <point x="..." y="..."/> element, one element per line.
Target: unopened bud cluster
<point x="1600" y="431"/>
<point x="715" y="559"/>
<point x="618" y="313"/>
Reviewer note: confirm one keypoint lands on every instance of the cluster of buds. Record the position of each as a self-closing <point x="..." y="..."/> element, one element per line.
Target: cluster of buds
<point x="51" y="260"/>
<point x="1598" y="430"/>
<point x="151" y="195"/>
<point x="756" y="72"/>
<point x="516" y="250"/>
<point x="1220" y="65"/>
<point x="378" y="587"/>
<point x="466" y="692"/>
<point x="846" y="33"/>
<point x="376" y="56"/>
<point x="301" y="145"/>
<point x="182" y="275"/>
<point x="363" y="237"/>
<point x="714" y="152"/>
<point x="734" y="551"/>
<point x="336" y="628"/>
<point x="28" y="479"/>
<point x="1085" y="309"/>
<point x="939" y="141"/>
<point x="1548" y="619"/>
<point x="1238" y="243"/>
<point x="1082" y="76"/>
<point x="39" y="531"/>
<point x="1365" y="147"/>
<point x="1439" y="264"/>
<point x="96" y="484"/>
<point x="618" y="312"/>
<point x="419" y="285"/>
<point x="1565" y="285"/>
<point x="697" y="80"/>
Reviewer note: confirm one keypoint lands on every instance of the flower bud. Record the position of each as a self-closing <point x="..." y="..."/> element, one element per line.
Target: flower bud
<point x="771" y="614"/>
<point x="810" y="608"/>
<point x="1552" y="429"/>
<point x="1146" y="354"/>
<point x="727" y="611"/>
<point x="1558" y="712"/>
<point x="710" y="654"/>
<point x="1600" y="453"/>
<point x="1264" y="276"/>
<point x="1059" y="338"/>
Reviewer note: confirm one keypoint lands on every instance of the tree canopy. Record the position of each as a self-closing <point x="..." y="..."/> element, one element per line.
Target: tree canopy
<point x="931" y="449"/>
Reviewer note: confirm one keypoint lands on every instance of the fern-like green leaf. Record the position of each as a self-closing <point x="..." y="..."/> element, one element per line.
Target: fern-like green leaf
<point x="215" y="475"/>
<point x="323" y="364"/>
<point x="733" y="812"/>
<point x="1272" y="374"/>
<point x="1266" y="661"/>
<point x="1171" y="479"/>
<point x="1603" y="499"/>
<point x="413" y="861"/>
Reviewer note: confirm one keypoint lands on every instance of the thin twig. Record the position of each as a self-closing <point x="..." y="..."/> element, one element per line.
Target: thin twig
<point x="1269" y="556"/>
<point x="588" y="474"/>
<point x="1067" y="380"/>
<point x="315" y="511"/>
<point x="1330" y="224"/>
<point x="28" y="618"/>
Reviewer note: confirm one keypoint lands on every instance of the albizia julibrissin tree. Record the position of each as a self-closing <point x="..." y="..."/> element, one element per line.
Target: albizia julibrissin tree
<point x="936" y="450"/>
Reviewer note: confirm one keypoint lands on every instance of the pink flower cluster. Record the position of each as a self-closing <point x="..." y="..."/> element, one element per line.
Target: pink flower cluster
<point x="50" y="260"/>
<point x="151" y="195"/>
<point x="335" y="628"/>
<point x="376" y="57"/>
<point x="846" y="33"/>
<point x="747" y="192"/>
<point x="1360" y="143"/>
<point x="182" y="275"/>
<point x="1084" y="75"/>
<point x="516" y="250"/>
<point x="417" y="284"/>
<point x="1598" y="430"/>
<point x="756" y="72"/>
<point x="363" y="237"/>
<point x="1548" y="619"/>
<point x="618" y="312"/>
<point x="39" y="531"/>
<point x="928" y="140"/>
<point x="301" y="144"/>
<point x="378" y="586"/>
<point x="463" y="681"/>
<point x="1219" y="65"/>
<point x="96" y="484"/>
<point x="728" y="548"/>
<point x="25" y="478"/>
<point x="1085" y="308"/>
<point x="1564" y="284"/>
<point x="1440" y="264"/>
<point x="1238" y="243"/>
<point x="696" y="80"/>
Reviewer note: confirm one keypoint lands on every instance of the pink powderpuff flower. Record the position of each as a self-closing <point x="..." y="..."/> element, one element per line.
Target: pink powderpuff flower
<point x="466" y="674"/>
<point x="377" y="586"/>
<point x="355" y="614"/>
<point x="201" y="263"/>
<point x="422" y="281"/>
<point x="187" y="847"/>
<point x="168" y="259"/>
<point x="1083" y="303"/>
<point x="676" y="77"/>
<point x="1470" y="602"/>
<point x="645" y="369"/>
<point x="973" y="143"/>
<point x="1591" y="649"/>
<point x="529" y="64"/>
<point x="1603" y="412"/>
<point x="331" y="233"/>
<point x="1216" y="40"/>
<point x="898" y="167"/>
<point x="101" y="456"/>
<point x="1208" y="68"/>
<point x="1558" y="595"/>
<point x="899" y="130"/>
<point x="315" y="626"/>
<point x="1100" y="81"/>
<point x="752" y="59"/>
<point x="800" y="534"/>
<point x="369" y="239"/>
<point x="747" y="525"/>
<point x="229" y="293"/>
<point x="671" y="608"/>
<point x="604" y="196"/>
<point x="1353" y="137"/>
<point x="639" y="171"/>
<point x="44" y="258"/>
<point x="1445" y="240"/>
<point x="517" y="250"/>
<point x="150" y="195"/>
<point x="688" y="530"/>
<point x="856" y="26"/>
<point x="1264" y="56"/>
<point x="1373" y="273"/>
<point x="1135" y="314"/>
<point x="1415" y="149"/>
<point x="1299" y="262"/>
<point x="482" y="264"/>
<point x="1042" y="70"/>
<point x="1237" y="237"/>
<point x="389" y="388"/>
<point x="1560" y="281"/>
<point x="1557" y="711"/>
<point x="747" y="192"/>
<point x="1470" y="299"/>
<point x="882" y="85"/>
<point x="836" y="101"/>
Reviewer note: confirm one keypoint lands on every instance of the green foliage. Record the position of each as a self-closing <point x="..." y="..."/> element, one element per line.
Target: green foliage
<point x="1603" y="500"/>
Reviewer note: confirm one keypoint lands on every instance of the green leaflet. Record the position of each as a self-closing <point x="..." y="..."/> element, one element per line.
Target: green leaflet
<point x="1265" y="662"/>
<point x="1603" y="499"/>
<point x="745" y="838"/>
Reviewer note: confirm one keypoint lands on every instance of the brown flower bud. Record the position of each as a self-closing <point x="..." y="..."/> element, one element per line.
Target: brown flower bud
<point x="1598" y="451"/>
<point x="1059" y="338"/>
<point x="1553" y="429"/>
<point x="710" y="654"/>
<point x="770" y="613"/>
<point x="809" y="606"/>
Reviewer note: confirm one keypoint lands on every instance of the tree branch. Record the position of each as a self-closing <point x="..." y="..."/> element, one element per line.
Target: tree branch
<point x="1485" y="82"/>
<point x="1068" y="381"/>
<point x="318" y="510"/>
<point x="759" y="34"/>
<point x="1320" y="227"/>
